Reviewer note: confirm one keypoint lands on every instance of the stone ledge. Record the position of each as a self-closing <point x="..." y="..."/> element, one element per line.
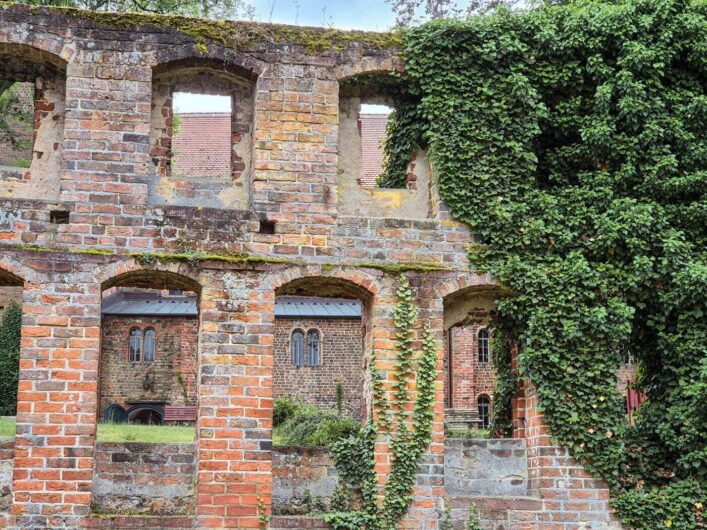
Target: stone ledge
<point x="297" y="522"/>
<point x="124" y="522"/>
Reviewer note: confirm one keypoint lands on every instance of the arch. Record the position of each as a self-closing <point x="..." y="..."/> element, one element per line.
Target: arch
<point x="145" y="411"/>
<point x="349" y="282"/>
<point x="8" y="279"/>
<point x="39" y="49"/>
<point x="369" y="65"/>
<point x="241" y="65"/>
<point x="14" y="273"/>
<point x="123" y="275"/>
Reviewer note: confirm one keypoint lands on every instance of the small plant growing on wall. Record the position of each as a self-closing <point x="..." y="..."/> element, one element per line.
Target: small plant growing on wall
<point x="339" y="398"/>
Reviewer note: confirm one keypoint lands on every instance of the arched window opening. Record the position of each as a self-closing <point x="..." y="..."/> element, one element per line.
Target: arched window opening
<point x="135" y="346"/>
<point x="149" y="345"/>
<point x="313" y="346"/>
<point x="484" y="404"/>
<point x="298" y="347"/>
<point x="483" y="346"/>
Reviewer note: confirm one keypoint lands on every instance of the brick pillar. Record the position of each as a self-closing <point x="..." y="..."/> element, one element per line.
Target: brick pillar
<point x="572" y="498"/>
<point x="235" y="401"/>
<point x="56" y="418"/>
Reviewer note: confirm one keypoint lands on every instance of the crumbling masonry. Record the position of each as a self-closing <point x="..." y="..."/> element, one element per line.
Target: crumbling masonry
<point x="99" y="208"/>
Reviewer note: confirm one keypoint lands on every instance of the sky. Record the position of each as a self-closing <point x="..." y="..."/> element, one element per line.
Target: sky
<point x="370" y="15"/>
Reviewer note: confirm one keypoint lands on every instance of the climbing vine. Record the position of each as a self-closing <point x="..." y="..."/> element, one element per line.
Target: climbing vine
<point x="571" y="139"/>
<point x="405" y="423"/>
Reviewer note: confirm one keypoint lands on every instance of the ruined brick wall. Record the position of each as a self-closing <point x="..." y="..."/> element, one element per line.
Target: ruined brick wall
<point x="138" y="478"/>
<point x="123" y="231"/>
<point x="341" y="343"/>
<point x="172" y="374"/>
<point x="470" y="378"/>
<point x="7" y="455"/>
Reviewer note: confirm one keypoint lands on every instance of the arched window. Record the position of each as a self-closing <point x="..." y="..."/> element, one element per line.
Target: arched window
<point x="313" y="357"/>
<point x="135" y="345"/>
<point x="298" y="347"/>
<point x="483" y="345"/>
<point x="149" y="345"/>
<point x="484" y="404"/>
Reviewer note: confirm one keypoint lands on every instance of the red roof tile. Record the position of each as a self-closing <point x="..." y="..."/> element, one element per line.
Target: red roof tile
<point x="372" y="134"/>
<point x="202" y="145"/>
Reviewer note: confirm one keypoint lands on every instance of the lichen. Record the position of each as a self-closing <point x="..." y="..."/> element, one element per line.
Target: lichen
<point x="196" y="258"/>
<point x="237" y="35"/>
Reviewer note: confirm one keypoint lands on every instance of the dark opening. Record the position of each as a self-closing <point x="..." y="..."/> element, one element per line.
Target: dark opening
<point x="59" y="217"/>
<point x="267" y="227"/>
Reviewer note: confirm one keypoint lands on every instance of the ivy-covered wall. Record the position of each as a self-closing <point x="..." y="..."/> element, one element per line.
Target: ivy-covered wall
<point x="571" y="139"/>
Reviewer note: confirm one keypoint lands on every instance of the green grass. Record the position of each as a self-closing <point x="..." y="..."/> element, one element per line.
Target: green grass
<point x="467" y="433"/>
<point x="7" y="426"/>
<point x="113" y="432"/>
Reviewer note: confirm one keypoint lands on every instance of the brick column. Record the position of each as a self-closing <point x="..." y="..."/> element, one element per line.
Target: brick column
<point x="56" y="417"/>
<point x="235" y="400"/>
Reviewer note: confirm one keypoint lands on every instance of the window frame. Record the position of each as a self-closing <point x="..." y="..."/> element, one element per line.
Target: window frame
<point x="483" y="346"/>
<point x="131" y="354"/>
<point x="144" y="344"/>
<point x="308" y="347"/>
<point x="485" y="401"/>
<point x="293" y="355"/>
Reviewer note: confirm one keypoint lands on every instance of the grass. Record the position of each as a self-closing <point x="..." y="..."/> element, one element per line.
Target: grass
<point x="468" y="433"/>
<point x="7" y="426"/>
<point x="124" y="432"/>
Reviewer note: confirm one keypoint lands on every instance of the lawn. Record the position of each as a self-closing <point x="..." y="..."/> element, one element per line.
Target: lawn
<point x="7" y="426"/>
<point x="123" y="432"/>
<point x="111" y="432"/>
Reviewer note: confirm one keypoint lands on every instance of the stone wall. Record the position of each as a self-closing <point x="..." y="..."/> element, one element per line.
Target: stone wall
<point x="341" y="342"/>
<point x="300" y="473"/>
<point x="7" y="454"/>
<point x="172" y="375"/>
<point x="138" y="478"/>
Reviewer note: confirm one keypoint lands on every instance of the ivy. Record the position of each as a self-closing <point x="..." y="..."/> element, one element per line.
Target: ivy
<point x="571" y="140"/>
<point x="10" y="329"/>
<point x="409" y="432"/>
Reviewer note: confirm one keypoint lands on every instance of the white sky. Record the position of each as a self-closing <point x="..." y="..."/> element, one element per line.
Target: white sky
<point x="185" y="102"/>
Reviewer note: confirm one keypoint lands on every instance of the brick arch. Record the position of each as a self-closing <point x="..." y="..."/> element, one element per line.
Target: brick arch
<point x="158" y="276"/>
<point x="467" y="284"/>
<point x="15" y="273"/>
<point x="186" y="56"/>
<point x="368" y="66"/>
<point x="363" y="285"/>
<point x="38" y="49"/>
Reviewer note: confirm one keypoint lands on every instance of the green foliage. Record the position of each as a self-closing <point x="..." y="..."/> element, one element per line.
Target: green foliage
<point x="192" y="8"/>
<point x="446" y="522"/>
<point x="16" y="120"/>
<point x="296" y="423"/>
<point x="339" y="398"/>
<point x="506" y="381"/>
<point x="571" y="139"/>
<point x="409" y="432"/>
<point x="10" y="332"/>
<point x="473" y="522"/>
<point x="469" y="434"/>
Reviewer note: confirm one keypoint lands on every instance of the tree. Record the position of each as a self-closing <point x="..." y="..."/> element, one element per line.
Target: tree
<point x="410" y="12"/>
<point x="10" y="330"/>
<point x="217" y="9"/>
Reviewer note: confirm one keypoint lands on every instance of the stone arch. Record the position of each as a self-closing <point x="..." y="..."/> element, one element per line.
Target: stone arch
<point x="12" y="272"/>
<point x="238" y="64"/>
<point x="363" y="283"/>
<point x="369" y="65"/>
<point x="41" y="47"/>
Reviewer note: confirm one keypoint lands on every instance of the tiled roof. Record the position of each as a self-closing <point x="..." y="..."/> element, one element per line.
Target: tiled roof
<point x="313" y="307"/>
<point x="372" y="134"/>
<point x="202" y="145"/>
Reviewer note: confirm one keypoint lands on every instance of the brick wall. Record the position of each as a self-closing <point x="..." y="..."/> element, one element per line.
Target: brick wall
<point x="10" y="293"/>
<point x="149" y="479"/>
<point x="173" y="372"/>
<point x="7" y="455"/>
<point x="341" y="362"/>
